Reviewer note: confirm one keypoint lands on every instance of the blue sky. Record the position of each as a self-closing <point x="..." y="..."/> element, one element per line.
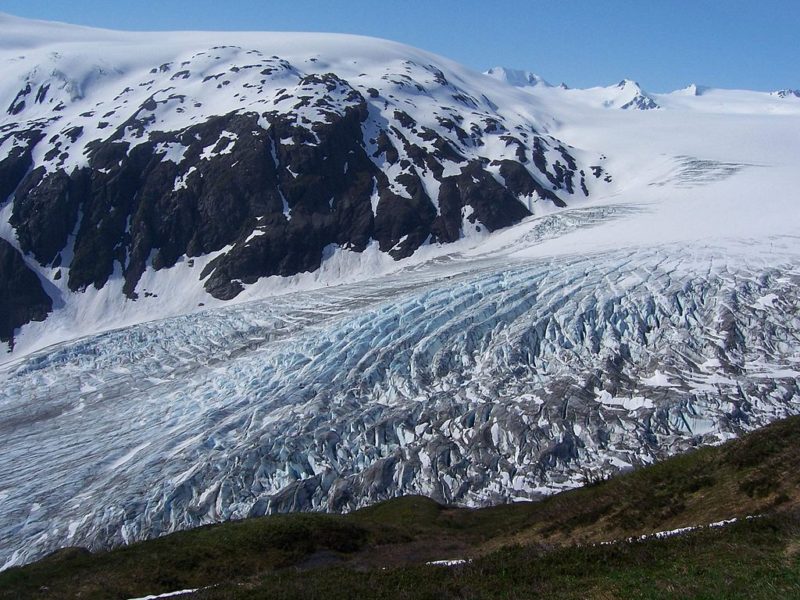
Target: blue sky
<point x="663" y="44"/>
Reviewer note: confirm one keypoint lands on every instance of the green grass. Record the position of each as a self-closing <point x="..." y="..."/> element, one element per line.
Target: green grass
<point x="519" y="550"/>
<point x="745" y="560"/>
<point x="189" y="559"/>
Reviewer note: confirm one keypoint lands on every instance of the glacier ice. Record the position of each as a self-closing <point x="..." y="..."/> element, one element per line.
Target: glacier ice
<point x="471" y="381"/>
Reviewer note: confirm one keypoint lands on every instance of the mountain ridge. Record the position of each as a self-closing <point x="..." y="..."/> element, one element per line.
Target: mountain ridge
<point x="107" y="161"/>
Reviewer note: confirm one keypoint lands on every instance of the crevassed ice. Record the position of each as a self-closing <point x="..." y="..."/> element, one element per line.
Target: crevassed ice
<point x="505" y="380"/>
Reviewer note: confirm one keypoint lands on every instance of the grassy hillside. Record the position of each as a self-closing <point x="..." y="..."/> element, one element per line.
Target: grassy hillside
<point x="550" y="548"/>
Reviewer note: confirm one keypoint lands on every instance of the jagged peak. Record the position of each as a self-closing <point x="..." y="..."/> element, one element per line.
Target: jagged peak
<point x="629" y="83"/>
<point x="693" y="89"/>
<point x="786" y="93"/>
<point x="629" y="95"/>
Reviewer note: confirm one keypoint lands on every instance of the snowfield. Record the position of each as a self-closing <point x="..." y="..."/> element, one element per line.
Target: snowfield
<point x="661" y="313"/>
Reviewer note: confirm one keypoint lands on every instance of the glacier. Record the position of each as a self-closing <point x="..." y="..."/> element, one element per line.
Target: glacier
<point x="473" y="380"/>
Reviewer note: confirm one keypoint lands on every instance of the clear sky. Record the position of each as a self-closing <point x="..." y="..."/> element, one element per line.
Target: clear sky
<point x="663" y="44"/>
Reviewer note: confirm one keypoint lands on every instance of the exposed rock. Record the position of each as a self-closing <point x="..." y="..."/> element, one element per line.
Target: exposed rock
<point x="520" y="183"/>
<point x="45" y="211"/>
<point x="16" y="164"/>
<point x="22" y="297"/>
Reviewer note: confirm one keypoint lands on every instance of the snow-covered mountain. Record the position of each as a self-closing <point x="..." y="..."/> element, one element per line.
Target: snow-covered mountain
<point x="629" y="95"/>
<point x="425" y="299"/>
<point x="786" y="93"/>
<point x="131" y="161"/>
<point x="626" y="95"/>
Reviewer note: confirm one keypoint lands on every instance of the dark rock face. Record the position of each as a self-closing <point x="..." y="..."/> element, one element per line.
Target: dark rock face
<point x="18" y="105"/>
<point x="45" y="211"/>
<point x="270" y="192"/>
<point x="520" y="183"/>
<point x="492" y="204"/>
<point x="787" y="93"/>
<point x="15" y="165"/>
<point x="22" y="297"/>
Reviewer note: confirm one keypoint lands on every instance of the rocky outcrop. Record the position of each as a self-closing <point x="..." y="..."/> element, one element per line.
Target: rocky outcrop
<point x="16" y="164"/>
<point x="22" y="297"/>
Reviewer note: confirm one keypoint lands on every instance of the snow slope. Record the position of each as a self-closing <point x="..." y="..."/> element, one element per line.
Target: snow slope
<point x="662" y="313"/>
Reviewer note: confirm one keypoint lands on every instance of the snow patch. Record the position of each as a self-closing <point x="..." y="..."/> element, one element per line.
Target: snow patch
<point x="633" y="403"/>
<point x="168" y="594"/>
<point x="658" y="379"/>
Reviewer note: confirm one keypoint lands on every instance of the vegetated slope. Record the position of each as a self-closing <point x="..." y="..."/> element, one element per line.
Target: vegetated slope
<point x="555" y="547"/>
<point x="219" y="159"/>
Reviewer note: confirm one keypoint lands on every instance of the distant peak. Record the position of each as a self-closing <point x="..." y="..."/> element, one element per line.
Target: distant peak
<point x="786" y="93"/>
<point x="625" y="83"/>
<point x="629" y="95"/>
<point x="694" y="89"/>
<point x="517" y="77"/>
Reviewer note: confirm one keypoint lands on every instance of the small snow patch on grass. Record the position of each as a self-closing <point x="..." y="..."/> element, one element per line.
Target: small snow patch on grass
<point x="167" y="595"/>
<point x="449" y="563"/>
